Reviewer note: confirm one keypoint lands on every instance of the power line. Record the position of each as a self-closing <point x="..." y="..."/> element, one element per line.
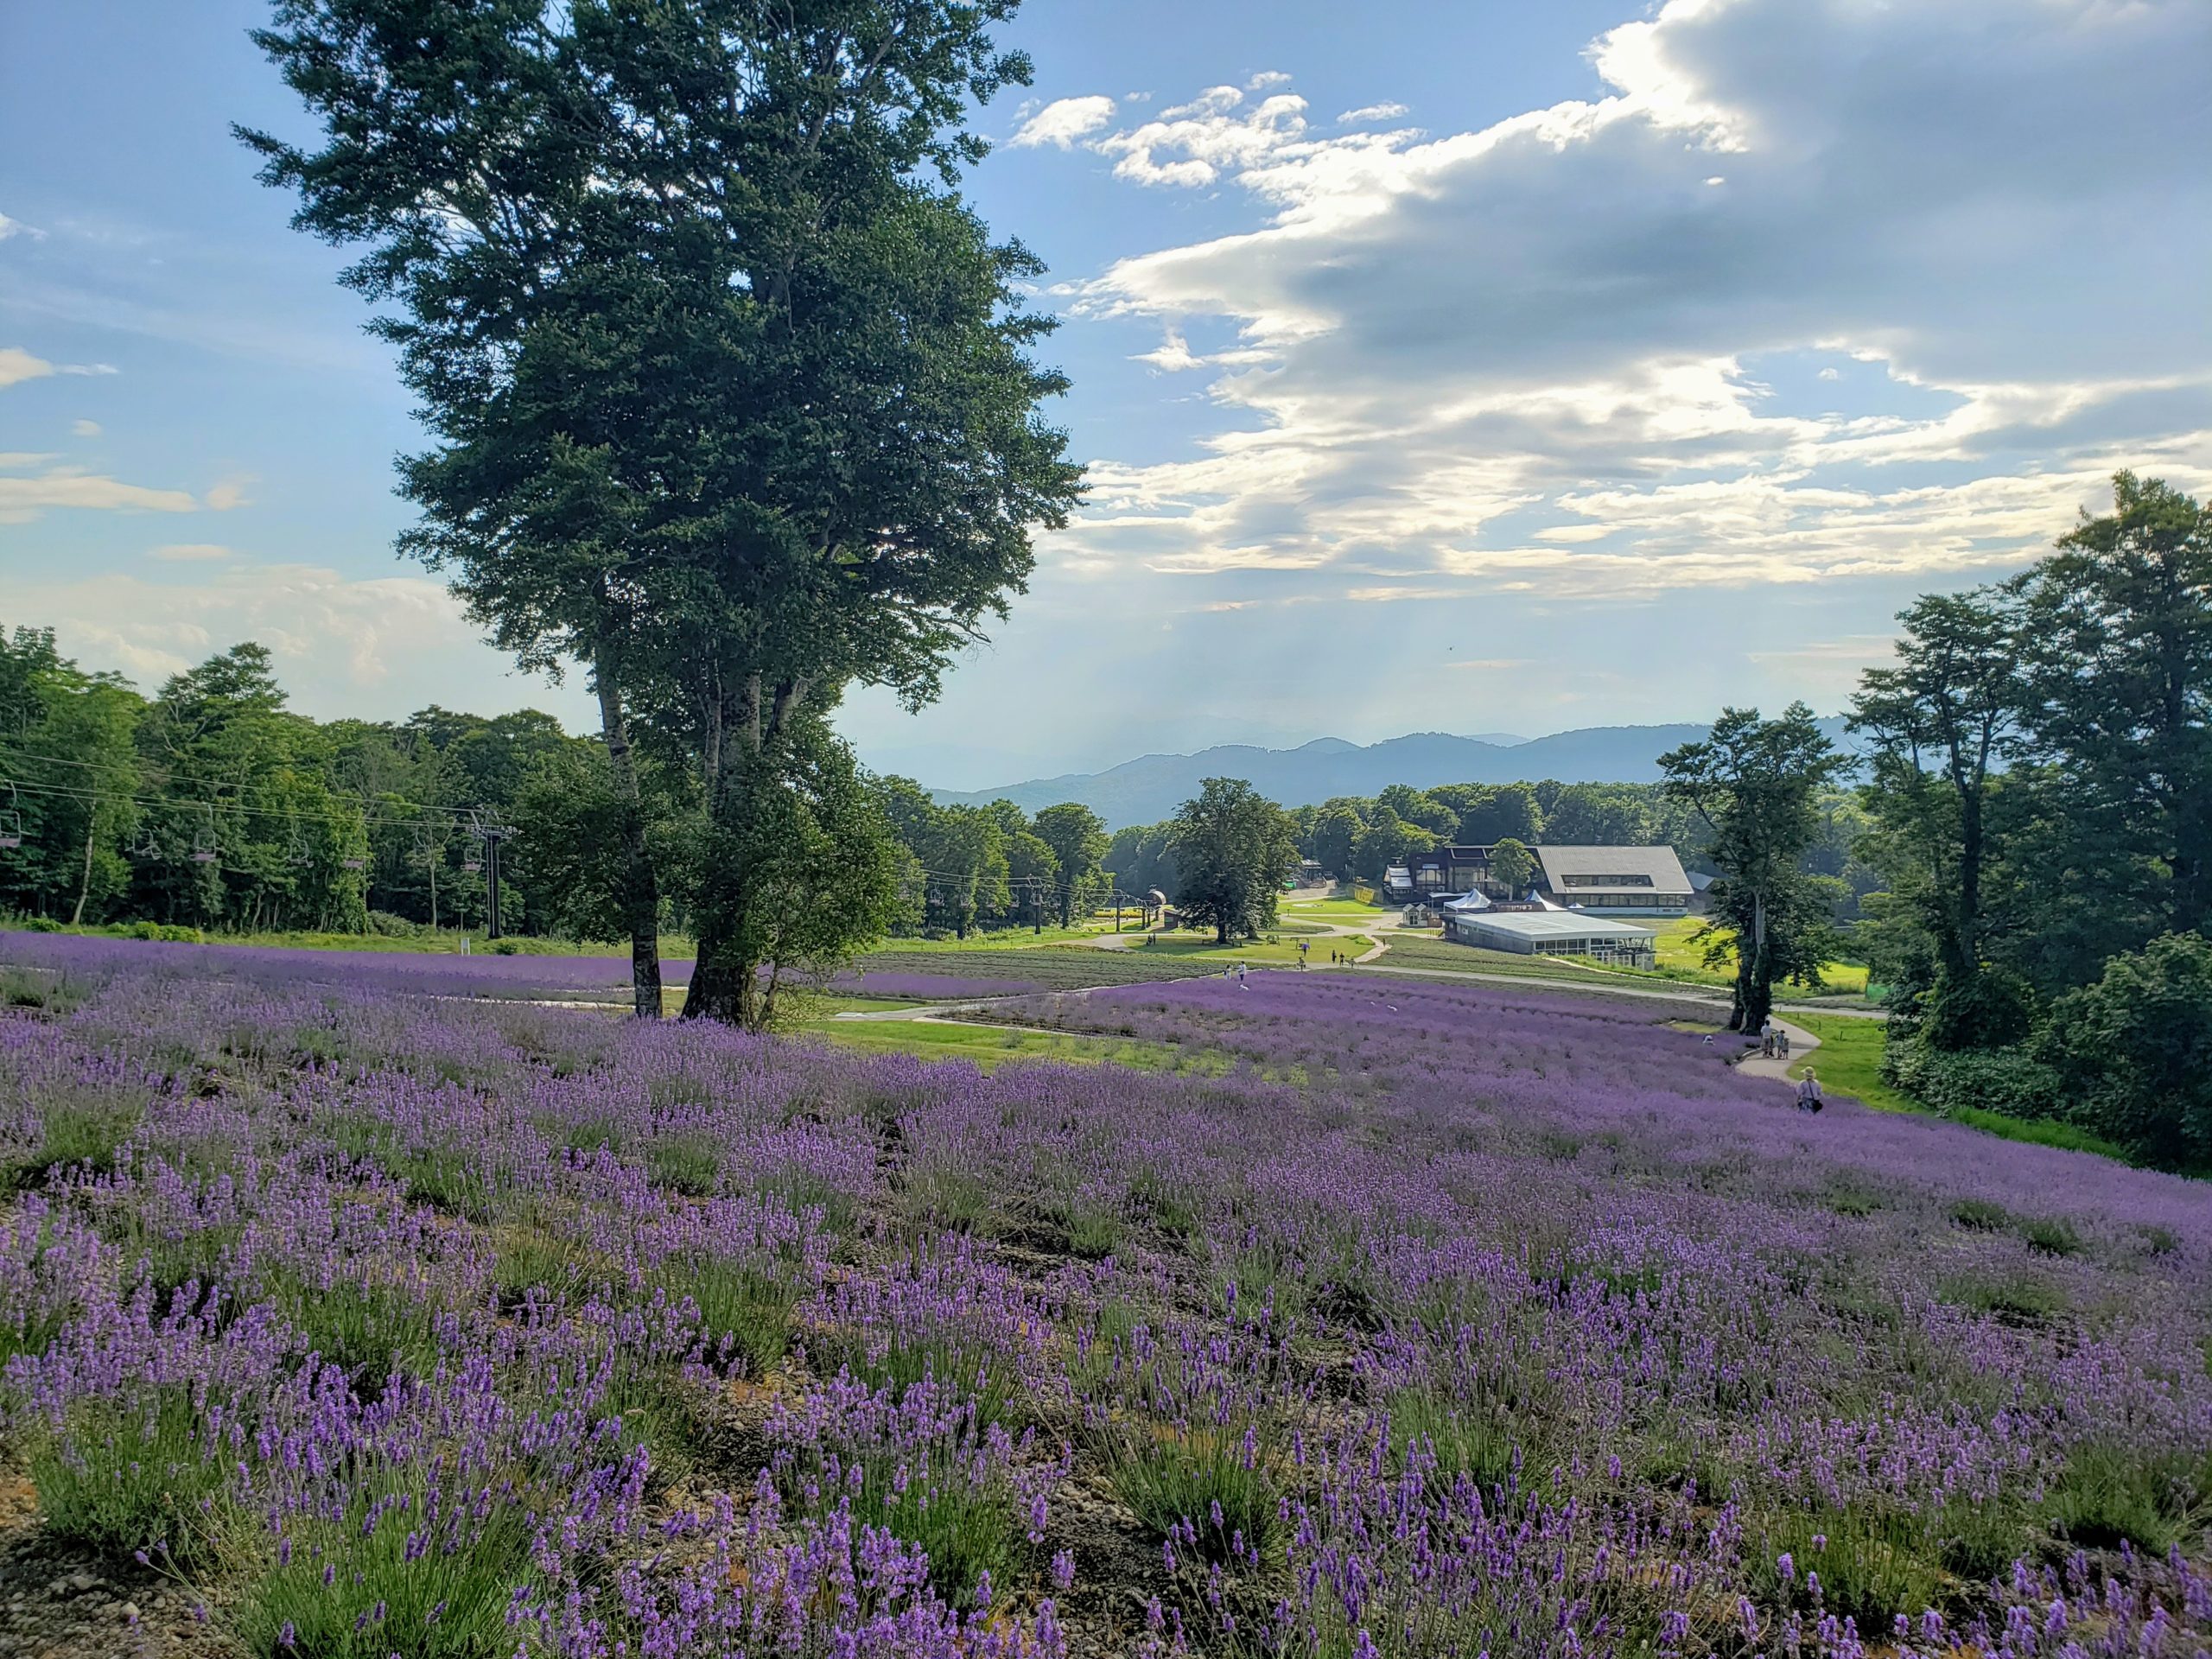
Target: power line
<point x="190" y="805"/>
<point x="366" y="802"/>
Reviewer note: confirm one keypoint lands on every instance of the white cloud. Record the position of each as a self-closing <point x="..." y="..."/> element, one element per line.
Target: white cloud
<point x="1444" y="343"/>
<point x="1064" y="121"/>
<point x="16" y="227"/>
<point x="1372" y="112"/>
<point x="86" y="429"/>
<point x="227" y="495"/>
<point x="23" y="498"/>
<point x="1266" y="80"/>
<point x="17" y="365"/>
<point x="334" y="638"/>
<point x="191" y="553"/>
<point x="1173" y="353"/>
<point x="33" y="484"/>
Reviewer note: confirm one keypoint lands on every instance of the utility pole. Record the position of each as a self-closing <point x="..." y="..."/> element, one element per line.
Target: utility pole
<point x="491" y="835"/>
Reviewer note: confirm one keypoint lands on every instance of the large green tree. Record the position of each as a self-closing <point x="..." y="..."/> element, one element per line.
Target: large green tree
<point x="1334" y="837"/>
<point x="1755" y="784"/>
<point x="1233" y="849"/>
<point x="1510" y="810"/>
<point x="2117" y="632"/>
<point x="1938" y="725"/>
<point x="733" y="391"/>
<point x="1512" y="866"/>
<point x="1078" y="839"/>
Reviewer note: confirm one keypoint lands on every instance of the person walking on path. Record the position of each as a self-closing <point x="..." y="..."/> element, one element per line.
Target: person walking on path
<point x="1808" y="1093"/>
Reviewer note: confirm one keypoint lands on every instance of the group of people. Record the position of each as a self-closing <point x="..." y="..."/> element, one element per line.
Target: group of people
<point x="1774" y="1045"/>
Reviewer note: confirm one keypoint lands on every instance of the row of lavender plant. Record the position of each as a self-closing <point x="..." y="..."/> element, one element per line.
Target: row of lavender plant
<point x="1447" y="1321"/>
<point x="533" y="977"/>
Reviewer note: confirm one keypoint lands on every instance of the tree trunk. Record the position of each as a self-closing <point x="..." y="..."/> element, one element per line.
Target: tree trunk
<point x="84" y="882"/>
<point x="722" y="991"/>
<point x="725" y="984"/>
<point x="1757" y="1001"/>
<point x="640" y="891"/>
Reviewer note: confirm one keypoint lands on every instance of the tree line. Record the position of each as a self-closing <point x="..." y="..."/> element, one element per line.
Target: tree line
<point x="212" y="806"/>
<point x="2041" y="783"/>
<point x="2037" y="777"/>
<point x="1357" y="838"/>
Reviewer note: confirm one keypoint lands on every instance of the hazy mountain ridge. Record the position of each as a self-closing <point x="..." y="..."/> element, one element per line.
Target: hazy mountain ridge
<point x="1151" y="787"/>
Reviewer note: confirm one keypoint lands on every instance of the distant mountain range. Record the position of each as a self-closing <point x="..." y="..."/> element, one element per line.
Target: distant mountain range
<point x="1149" y="789"/>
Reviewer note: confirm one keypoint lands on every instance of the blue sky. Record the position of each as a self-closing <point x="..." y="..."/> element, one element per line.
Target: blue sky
<point x="1477" y="366"/>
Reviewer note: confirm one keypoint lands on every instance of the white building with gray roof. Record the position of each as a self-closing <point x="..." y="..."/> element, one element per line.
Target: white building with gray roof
<point x="1617" y="881"/>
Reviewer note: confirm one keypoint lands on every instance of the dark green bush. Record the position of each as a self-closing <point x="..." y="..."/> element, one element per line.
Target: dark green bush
<point x="2006" y="1081"/>
<point x="2135" y="1049"/>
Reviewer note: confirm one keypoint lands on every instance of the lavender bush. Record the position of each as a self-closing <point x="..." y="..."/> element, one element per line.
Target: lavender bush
<point x="397" y="1315"/>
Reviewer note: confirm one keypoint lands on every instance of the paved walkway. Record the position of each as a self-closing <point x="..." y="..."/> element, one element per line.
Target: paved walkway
<point x="1802" y="1044"/>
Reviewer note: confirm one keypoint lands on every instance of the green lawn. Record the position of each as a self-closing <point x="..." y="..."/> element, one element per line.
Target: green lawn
<point x="1682" y="956"/>
<point x="1349" y="910"/>
<point x="1411" y="950"/>
<point x="1055" y="967"/>
<point x="1009" y="938"/>
<point x="1849" y="1062"/>
<point x="988" y="1047"/>
<point x="1200" y="951"/>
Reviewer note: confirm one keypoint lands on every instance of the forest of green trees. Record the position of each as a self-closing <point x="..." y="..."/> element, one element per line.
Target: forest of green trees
<point x="2040" y="780"/>
<point x="1356" y="838"/>
<point x="212" y="807"/>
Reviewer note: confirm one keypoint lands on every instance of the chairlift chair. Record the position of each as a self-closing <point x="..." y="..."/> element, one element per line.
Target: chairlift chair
<point x="11" y="822"/>
<point x="204" y="849"/>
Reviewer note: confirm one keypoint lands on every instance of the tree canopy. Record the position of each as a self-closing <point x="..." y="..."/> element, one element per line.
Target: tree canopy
<point x="1233" y="848"/>
<point x="732" y="390"/>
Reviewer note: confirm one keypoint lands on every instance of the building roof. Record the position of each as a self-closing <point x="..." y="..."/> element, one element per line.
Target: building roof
<point x="1556" y="924"/>
<point x="1571" y="871"/>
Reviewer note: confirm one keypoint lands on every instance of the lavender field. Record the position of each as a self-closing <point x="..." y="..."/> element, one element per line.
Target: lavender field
<point x="602" y="979"/>
<point x="343" y="1316"/>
